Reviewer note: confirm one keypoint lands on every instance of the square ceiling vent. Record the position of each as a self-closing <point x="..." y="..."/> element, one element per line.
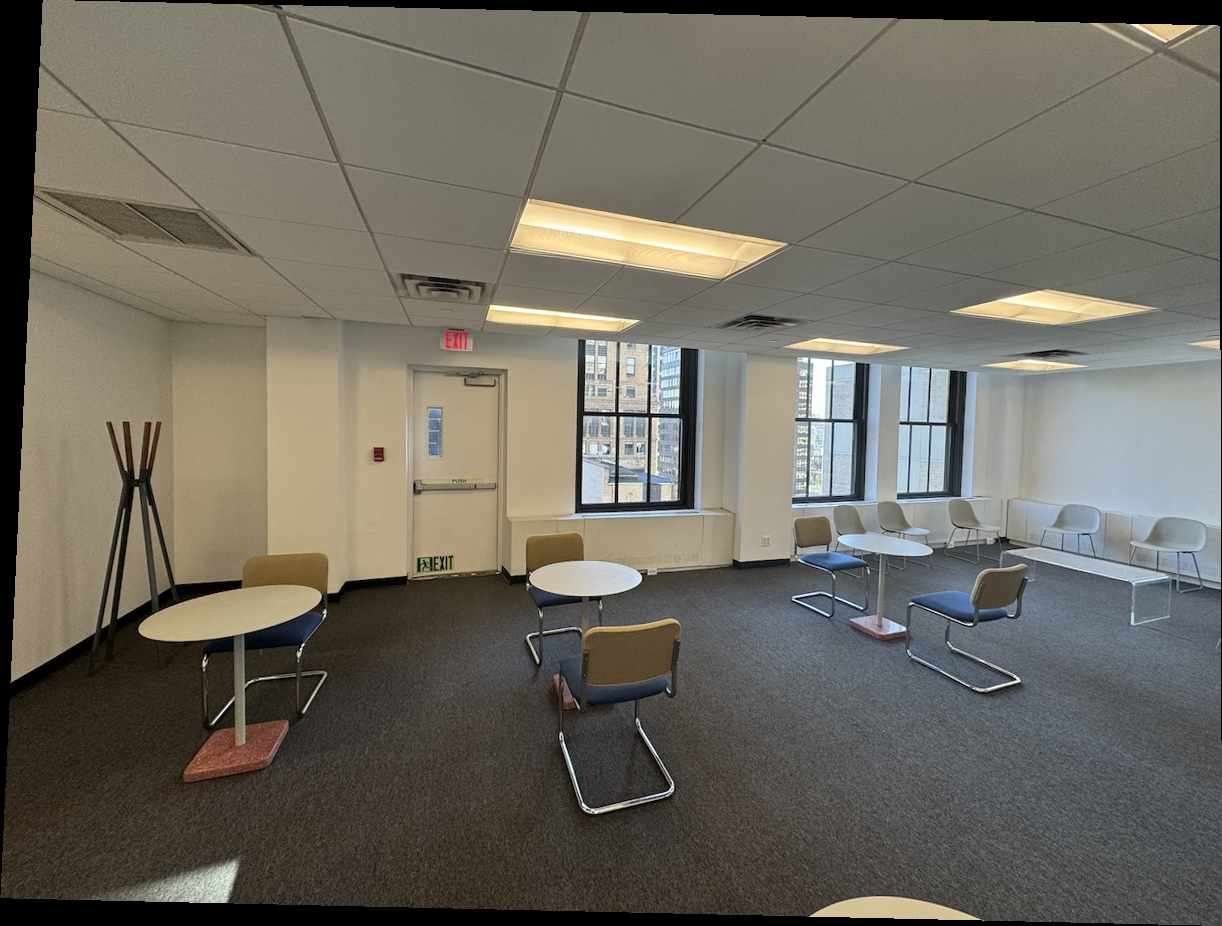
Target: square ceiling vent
<point x="132" y="221"/>
<point x="760" y="323"/>
<point x="440" y="289"/>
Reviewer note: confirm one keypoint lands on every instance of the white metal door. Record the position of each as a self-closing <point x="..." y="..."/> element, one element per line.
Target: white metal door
<point x="455" y="455"/>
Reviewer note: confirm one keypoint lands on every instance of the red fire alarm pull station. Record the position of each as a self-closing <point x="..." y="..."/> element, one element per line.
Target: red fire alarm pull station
<point x="379" y="454"/>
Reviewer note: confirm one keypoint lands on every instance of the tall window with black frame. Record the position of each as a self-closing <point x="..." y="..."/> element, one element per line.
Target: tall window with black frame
<point x="635" y="426"/>
<point x="829" y="430"/>
<point x="931" y="432"/>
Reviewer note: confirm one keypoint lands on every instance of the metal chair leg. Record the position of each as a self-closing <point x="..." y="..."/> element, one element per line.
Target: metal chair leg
<point x="801" y="599"/>
<point x="537" y="654"/>
<point x="631" y="802"/>
<point x="1011" y="678"/>
<point x="296" y="676"/>
<point x="1091" y="538"/>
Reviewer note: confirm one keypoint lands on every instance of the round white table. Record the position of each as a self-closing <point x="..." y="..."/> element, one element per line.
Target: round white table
<point x="877" y="625"/>
<point x="892" y="908"/>
<point x="584" y="579"/>
<point x="233" y="613"/>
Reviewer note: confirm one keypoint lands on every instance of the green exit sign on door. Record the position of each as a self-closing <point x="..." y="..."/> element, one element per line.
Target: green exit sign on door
<point x="435" y="563"/>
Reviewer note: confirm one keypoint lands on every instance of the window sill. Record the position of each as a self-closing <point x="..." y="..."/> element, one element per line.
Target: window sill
<point x="597" y="515"/>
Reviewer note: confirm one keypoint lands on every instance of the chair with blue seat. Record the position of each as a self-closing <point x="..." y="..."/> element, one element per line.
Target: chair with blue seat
<point x="816" y="532"/>
<point x="309" y="569"/>
<point x="620" y="664"/>
<point x="544" y="550"/>
<point x="995" y="590"/>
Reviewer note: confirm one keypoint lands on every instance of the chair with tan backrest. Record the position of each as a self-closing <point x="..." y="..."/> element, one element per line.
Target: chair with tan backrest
<point x="994" y="591"/>
<point x="309" y="569"/>
<point x="1174" y="535"/>
<point x="1076" y="521"/>
<point x="817" y="532"/>
<point x="963" y="518"/>
<point x="847" y="520"/>
<point x="621" y="664"/>
<point x="892" y="520"/>
<point x="543" y="550"/>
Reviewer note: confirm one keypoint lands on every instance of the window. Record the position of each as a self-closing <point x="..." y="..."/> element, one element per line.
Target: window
<point x="931" y="432"/>
<point x="646" y="458"/>
<point x="829" y="441"/>
<point x="434" y="419"/>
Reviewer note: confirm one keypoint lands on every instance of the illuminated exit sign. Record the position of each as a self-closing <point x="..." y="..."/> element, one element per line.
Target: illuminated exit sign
<point x="457" y="339"/>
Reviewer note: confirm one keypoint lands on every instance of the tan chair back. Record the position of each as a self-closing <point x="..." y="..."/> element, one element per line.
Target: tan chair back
<point x="545" y="549"/>
<point x="848" y="520"/>
<point x="309" y="569"/>
<point x="812" y="532"/>
<point x="633" y="653"/>
<point x="891" y="517"/>
<point x="998" y="588"/>
<point x="962" y="514"/>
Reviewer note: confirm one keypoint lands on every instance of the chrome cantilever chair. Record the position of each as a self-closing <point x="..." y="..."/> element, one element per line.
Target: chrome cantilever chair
<point x="543" y="550"/>
<point x="308" y="569"/>
<point x="817" y="532"/>
<point x="963" y="518"/>
<point x="621" y="664"/>
<point x="892" y="520"/>
<point x="1174" y="535"/>
<point x="994" y="591"/>
<point x="1076" y="521"/>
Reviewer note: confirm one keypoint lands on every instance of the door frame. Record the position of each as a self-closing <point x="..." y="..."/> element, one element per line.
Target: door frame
<point x="502" y="527"/>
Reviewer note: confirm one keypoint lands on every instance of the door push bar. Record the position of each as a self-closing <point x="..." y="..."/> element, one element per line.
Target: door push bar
<point x="448" y="485"/>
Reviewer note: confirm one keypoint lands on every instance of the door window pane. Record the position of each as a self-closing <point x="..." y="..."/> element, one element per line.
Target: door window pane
<point x="434" y="421"/>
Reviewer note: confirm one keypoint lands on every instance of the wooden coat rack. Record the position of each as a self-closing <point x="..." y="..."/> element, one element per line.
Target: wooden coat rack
<point x="133" y="481"/>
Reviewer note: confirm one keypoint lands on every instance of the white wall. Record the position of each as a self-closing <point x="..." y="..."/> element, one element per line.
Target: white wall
<point x="1143" y="440"/>
<point x="219" y="449"/>
<point x="88" y="360"/>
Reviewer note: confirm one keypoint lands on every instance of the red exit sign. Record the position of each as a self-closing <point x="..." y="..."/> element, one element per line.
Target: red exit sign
<point x="457" y="339"/>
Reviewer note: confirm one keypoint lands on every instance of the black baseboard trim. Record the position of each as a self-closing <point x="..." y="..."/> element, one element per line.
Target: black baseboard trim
<point x="752" y="563"/>
<point x="365" y="583"/>
<point x="512" y="579"/>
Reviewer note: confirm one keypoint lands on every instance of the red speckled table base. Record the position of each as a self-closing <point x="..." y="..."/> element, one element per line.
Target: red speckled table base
<point x="219" y="757"/>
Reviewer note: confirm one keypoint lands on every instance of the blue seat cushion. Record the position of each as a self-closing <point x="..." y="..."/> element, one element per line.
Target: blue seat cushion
<point x="570" y="668"/>
<point x="290" y="633"/>
<point x="832" y="562"/>
<point x="958" y="605"/>
<point x="544" y="599"/>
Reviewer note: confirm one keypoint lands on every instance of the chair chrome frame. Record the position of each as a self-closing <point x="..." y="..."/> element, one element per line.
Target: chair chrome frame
<point x="320" y="674"/>
<point x="801" y="599"/>
<point x="1078" y="540"/>
<point x="967" y="542"/>
<point x="537" y="654"/>
<point x="1178" y="553"/>
<point x="1011" y="678"/>
<point x="671" y="690"/>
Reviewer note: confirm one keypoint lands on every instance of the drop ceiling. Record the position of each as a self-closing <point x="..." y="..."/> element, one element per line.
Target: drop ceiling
<point x="914" y="167"/>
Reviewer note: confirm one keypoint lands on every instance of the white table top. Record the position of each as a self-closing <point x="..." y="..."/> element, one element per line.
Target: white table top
<point x="586" y="578"/>
<point x="884" y="544"/>
<point x="229" y="613"/>
<point x="892" y="908"/>
<point x="1134" y="575"/>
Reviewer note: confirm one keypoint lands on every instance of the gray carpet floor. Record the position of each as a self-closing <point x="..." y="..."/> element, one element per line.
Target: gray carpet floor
<point x="812" y="764"/>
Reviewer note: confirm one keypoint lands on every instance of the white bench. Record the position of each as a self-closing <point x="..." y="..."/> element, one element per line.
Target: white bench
<point x="1135" y="576"/>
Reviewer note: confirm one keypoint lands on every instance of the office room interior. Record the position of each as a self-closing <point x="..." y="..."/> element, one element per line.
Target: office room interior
<point x="624" y="462"/>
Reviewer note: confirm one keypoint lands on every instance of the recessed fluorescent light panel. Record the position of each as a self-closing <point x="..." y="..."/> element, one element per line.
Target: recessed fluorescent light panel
<point x="1213" y="343"/>
<point x="568" y="231"/>
<point x="1050" y="307"/>
<point x="548" y="318"/>
<point x="1164" y="32"/>
<point x="836" y="346"/>
<point x="1036" y="366"/>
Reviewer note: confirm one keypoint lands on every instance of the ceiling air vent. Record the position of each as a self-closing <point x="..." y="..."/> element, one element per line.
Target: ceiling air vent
<point x="760" y="323"/>
<point x="133" y="221"/>
<point x="440" y="289"/>
<point x="1050" y="354"/>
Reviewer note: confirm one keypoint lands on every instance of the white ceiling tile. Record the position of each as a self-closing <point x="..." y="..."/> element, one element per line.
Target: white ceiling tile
<point x="605" y="158"/>
<point x="882" y="316"/>
<point x="319" y="279"/>
<point x="1179" y="186"/>
<point x="264" y="184"/>
<point x="667" y="288"/>
<point x="431" y="258"/>
<point x="785" y="196"/>
<point x="736" y="297"/>
<point x="532" y="45"/>
<point x="1022" y="237"/>
<point x="1207" y="310"/>
<point x="804" y="270"/>
<point x="971" y="291"/>
<point x="245" y="319"/>
<point x="311" y="243"/>
<point x="527" y="297"/>
<point x="888" y="282"/>
<point x="1201" y="48"/>
<point x="942" y="86"/>
<point x="656" y="333"/>
<point x="363" y="307"/>
<point x="82" y="155"/>
<point x="1090" y="261"/>
<point x="1154" y="110"/>
<point x="236" y="277"/>
<point x="1132" y="285"/>
<point x="52" y="95"/>
<point x="816" y="308"/>
<point x="557" y="273"/>
<point x="695" y="315"/>
<point x="457" y="315"/>
<point x="1198" y="233"/>
<point x="598" y="304"/>
<point x="908" y="220"/>
<point x="740" y="74"/>
<point x="413" y="208"/>
<point x="222" y="71"/>
<point x="1184" y="296"/>
<point x="52" y="269"/>
<point x="402" y="112"/>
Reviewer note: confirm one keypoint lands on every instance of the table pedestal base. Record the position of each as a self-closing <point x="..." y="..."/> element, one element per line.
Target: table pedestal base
<point x="879" y="627"/>
<point x="219" y="757"/>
